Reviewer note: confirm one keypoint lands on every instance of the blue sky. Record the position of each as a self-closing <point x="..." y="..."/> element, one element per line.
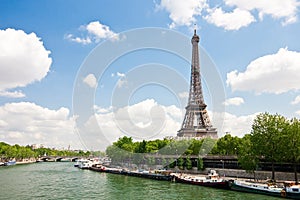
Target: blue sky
<point x="254" y="46"/>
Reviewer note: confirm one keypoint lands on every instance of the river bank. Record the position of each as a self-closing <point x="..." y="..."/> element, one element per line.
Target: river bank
<point x="239" y="173"/>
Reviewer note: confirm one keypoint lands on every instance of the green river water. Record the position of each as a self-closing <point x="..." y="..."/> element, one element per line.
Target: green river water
<point x="60" y="180"/>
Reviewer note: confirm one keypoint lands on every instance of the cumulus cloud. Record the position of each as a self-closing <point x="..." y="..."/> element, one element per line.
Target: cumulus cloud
<point x="23" y="60"/>
<point x="296" y="100"/>
<point x="137" y="121"/>
<point x="231" y="20"/>
<point x="235" y="101"/>
<point x="84" y="41"/>
<point x="145" y="120"/>
<point x="183" y="95"/>
<point x="185" y="13"/>
<point x="276" y="73"/>
<point x="95" y="32"/>
<point x="100" y="31"/>
<point x="278" y="9"/>
<point x="120" y="74"/>
<point x="90" y="80"/>
<point x="182" y="13"/>
<point x="14" y="94"/>
<point x="235" y="125"/>
<point x="27" y="123"/>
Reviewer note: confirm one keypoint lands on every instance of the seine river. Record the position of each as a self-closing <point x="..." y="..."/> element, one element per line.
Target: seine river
<point x="61" y="180"/>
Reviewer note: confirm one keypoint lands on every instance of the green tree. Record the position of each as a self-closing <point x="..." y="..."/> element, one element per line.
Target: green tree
<point x="266" y="136"/>
<point x="200" y="164"/>
<point x="228" y="145"/>
<point x="188" y="163"/>
<point x="246" y="157"/>
<point x="292" y="141"/>
<point x="180" y="163"/>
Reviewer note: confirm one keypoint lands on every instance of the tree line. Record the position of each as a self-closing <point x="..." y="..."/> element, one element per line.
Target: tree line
<point x="8" y="152"/>
<point x="273" y="138"/>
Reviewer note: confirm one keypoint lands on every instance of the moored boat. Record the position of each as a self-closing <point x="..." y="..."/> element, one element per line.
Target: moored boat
<point x="84" y="164"/>
<point x="10" y="162"/>
<point x="291" y="190"/>
<point x="258" y="188"/>
<point x="212" y="180"/>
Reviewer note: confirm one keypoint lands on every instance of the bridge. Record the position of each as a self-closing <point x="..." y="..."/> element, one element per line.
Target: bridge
<point x="60" y="158"/>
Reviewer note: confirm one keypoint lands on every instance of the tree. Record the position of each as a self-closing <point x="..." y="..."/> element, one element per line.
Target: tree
<point x="180" y="163"/>
<point x="188" y="163"/>
<point x="200" y="164"/>
<point x="246" y="157"/>
<point x="227" y="145"/>
<point x="266" y="135"/>
<point x="292" y="141"/>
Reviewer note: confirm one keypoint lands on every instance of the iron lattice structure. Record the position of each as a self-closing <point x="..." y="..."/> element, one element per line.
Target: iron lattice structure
<point x="196" y="121"/>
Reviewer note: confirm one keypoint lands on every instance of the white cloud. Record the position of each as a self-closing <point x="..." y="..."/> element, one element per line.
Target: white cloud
<point x="95" y="32"/>
<point x="148" y="120"/>
<point x="235" y="125"/>
<point x="14" y="94"/>
<point x="23" y="60"/>
<point x="144" y="120"/>
<point x="90" y="80"/>
<point x="183" y="13"/>
<point x="298" y="112"/>
<point x="120" y="74"/>
<point x="229" y="21"/>
<point x="100" y="31"/>
<point x="27" y="123"/>
<point x="278" y="9"/>
<point x="275" y="73"/>
<point x="236" y="101"/>
<point x="296" y="100"/>
<point x="183" y="95"/>
<point x="84" y="41"/>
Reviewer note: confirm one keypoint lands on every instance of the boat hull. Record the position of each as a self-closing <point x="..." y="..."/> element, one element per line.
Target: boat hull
<point x="241" y="188"/>
<point x="220" y="185"/>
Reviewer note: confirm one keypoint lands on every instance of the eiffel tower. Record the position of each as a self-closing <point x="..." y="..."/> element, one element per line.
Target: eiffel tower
<point x="196" y="121"/>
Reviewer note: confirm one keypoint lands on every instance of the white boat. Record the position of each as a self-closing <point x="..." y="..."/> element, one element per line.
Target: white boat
<point x="84" y="164"/>
<point x="212" y="180"/>
<point x="291" y="190"/>
<point x="10" y="162"/>
<point x="258" y="188"/>
<point x="1" y="163"/>
<point x="87" y="163"/>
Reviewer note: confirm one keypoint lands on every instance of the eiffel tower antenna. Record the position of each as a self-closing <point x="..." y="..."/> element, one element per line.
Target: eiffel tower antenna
<point x="196" y="122"/>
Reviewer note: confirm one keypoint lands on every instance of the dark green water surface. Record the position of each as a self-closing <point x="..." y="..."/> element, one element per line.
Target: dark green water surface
<point x="60" y="180"/>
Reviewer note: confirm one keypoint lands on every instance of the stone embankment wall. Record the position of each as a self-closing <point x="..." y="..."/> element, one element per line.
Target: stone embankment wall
<point x="234" y="173"/>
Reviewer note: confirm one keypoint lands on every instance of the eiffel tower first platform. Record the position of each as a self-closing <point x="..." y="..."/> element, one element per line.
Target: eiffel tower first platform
<point x="196" y="123"/>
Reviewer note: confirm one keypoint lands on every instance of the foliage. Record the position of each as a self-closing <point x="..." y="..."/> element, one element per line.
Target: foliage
<point x="266" y="137"/>
<point x="18" y="152"/>
<point x="180" y="163"/>
<point x="246" y="157"/>
<point x="188" y="163"/>
<point x="200" y="164"/>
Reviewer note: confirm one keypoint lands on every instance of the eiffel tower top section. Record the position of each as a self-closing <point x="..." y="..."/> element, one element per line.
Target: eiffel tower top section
<point x="196" y="122"/>
<point x="196" y="95"/>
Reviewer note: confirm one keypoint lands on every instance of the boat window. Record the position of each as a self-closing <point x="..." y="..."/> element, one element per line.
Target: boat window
<point x="295" y="190"/>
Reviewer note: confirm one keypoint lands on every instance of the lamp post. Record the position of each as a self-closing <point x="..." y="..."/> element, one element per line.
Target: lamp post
<point x="222" y="163"/>
<point x="223" y="166"/>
